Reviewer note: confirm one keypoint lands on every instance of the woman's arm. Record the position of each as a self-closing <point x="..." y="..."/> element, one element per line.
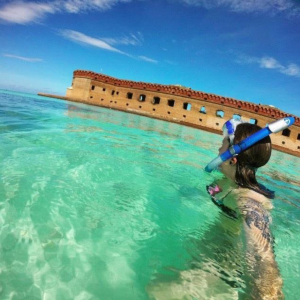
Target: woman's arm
<point x="260" y="255"/>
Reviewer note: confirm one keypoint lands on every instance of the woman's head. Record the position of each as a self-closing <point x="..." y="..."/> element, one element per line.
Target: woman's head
<point x="242" y="168"/>
<point x="257" y="155"/>
<point x="249" y="160"/>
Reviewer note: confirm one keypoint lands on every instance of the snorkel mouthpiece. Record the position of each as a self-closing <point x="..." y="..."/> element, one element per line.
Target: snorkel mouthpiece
<point x="234" y="150"/>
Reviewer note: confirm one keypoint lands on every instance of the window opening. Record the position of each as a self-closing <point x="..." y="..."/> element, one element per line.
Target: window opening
<point x="202" y="110"/>
<point x="187" y="106"/>
<point x="171" y="102"/>
<point x="142" y="98"/>
<point x="129" y="95"/>
<point x="253" y="121"/>
<point x="156" y="100"/>
<point x="112" y="92"/>
<point x="93" y="87"/>
<point x="286" y="132"/>
<point x="220" y="113"/>
<point x="236" y="117"/>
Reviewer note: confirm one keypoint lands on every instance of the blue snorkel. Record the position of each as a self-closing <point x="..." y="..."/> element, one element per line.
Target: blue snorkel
<point x="234" y="150"/>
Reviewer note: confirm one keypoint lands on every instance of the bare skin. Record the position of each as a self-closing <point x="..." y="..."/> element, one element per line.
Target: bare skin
<point x="251" y="227"/>
<point x="253" y="208"/>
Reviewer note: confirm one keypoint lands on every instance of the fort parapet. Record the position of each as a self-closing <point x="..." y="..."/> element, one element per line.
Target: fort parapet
<point x="179" y="104"/>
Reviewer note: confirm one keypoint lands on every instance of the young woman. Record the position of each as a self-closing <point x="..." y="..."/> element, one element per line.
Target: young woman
<point x="234" y="257"/>
<point x="249" y="202"/>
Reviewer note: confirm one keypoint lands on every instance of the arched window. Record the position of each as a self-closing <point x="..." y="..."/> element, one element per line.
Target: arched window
<point x="202" y="110"/>
<point x="286" y="132"/>
<point x="171" y="102"/>
<point x="236" y="117"/>
<point x="187" y="106"/>
<point x="156" y="100"/>
<point x="253" y="121"/>
<point x="142" y="98"/>
<point x="220" y="113"/>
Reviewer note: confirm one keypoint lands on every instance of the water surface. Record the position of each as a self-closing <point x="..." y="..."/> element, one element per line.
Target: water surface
<point x="100" y="204"/>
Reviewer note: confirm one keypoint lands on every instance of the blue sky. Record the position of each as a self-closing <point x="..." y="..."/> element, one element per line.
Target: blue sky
<point x="244" y="49"/>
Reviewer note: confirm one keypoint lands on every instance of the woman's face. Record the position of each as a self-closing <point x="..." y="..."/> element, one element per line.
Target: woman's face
<point x="225" y="145"/>
<point x="227" y="169"/>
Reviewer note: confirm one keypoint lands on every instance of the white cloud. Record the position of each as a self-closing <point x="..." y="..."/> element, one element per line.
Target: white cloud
<point x="292" y="70"/>
<point x="23" y="58"/>
<point x="21" y="12"/>
<point x="76" y="36"/>
<point x="269" y="6"/>
<point x="145" y="58"/>
<point x="267" y="62"/>
<point x="76" y="6"/>
<point x="82" y="38"/>
<point x="133" y="39"/>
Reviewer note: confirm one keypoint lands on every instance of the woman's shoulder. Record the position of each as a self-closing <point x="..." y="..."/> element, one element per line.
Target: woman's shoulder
<point x="244" y="194"/>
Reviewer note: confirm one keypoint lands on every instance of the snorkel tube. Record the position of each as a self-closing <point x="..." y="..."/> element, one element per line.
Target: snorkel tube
<point x="234" y="150"/>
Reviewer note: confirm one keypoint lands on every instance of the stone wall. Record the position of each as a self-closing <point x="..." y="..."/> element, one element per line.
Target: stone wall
<point x="178" y="104"/>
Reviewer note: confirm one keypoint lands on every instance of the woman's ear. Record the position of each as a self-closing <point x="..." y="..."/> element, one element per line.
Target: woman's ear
<point x="233" y="161"/>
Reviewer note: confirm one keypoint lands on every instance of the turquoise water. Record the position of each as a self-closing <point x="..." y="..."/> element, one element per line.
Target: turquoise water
<point x="100" y="204"/>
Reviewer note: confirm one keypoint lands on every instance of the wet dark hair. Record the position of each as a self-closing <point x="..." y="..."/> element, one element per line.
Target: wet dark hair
<point x="249" y="160"/>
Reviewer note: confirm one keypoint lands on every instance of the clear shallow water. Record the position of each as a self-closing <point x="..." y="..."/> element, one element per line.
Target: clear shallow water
<point x="99" y="204"/>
